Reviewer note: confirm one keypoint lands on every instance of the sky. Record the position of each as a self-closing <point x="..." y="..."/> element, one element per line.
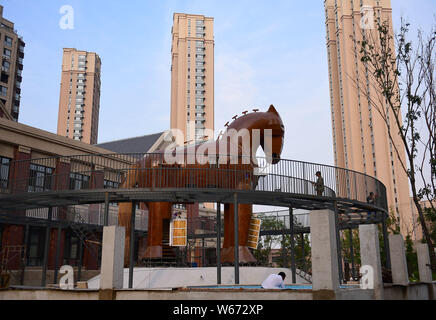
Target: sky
<point x="266" y="52"/>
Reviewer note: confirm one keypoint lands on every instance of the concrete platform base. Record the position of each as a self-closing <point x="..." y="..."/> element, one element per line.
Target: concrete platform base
<point x="157" y="278"/>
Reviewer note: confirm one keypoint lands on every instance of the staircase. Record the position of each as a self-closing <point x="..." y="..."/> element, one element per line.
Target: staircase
<point x="7" y="254"/>
<point x="304" y="270"/>
<point x="169" y="257"/>
<point x="304" y="275"/>
<point x="168" y="253"/>
<point x="78" y="225"/>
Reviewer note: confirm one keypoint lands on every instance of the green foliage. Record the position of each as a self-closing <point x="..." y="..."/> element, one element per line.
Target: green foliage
<point x="412" y="260"/>
<point x="268" y="242"/>
<point x="346" y="247"/>
<point x="430" y="217"/>
<point x="393" y="223"/>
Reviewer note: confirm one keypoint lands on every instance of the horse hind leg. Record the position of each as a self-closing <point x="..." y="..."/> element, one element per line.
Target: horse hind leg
<point x="244" y="218"/>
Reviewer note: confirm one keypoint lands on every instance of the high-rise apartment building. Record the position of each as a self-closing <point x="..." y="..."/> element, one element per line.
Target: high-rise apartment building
<point x="79" y="101"/>
<point x="12" y="49"/>
<point x="192" y="77"/>
<point x="360" y="135"/>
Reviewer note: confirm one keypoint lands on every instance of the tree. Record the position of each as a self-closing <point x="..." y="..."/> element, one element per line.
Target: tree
<point x="412" y="260"/>
<point x="403" y="80"/>
<point x="267" y="242"/>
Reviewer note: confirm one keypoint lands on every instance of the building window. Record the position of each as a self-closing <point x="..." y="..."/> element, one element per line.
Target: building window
<point x="110" y="184"/>
<point x="71" y="253"/>
<point x="8" y="41"/>
<point x="4" y="172"/>
<point x="6" y="65"/>
<point x="7" y="53"/>
<point x="40" y="178"/>
<point x="3" y="91"/>
<point x="35" y="246"/>
<point x="78" y="181"/>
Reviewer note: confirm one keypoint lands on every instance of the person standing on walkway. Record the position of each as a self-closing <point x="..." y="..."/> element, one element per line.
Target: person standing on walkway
<point x="319" y="184"/>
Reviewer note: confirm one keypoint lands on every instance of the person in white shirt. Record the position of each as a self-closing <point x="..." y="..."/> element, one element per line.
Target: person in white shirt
<point x="274" y="281"/>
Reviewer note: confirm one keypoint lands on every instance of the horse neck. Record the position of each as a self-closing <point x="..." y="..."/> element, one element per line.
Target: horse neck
<point x="251" y="126"/>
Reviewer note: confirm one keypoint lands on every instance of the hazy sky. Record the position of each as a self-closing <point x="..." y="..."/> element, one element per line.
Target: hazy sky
<point x="266" y="52"/>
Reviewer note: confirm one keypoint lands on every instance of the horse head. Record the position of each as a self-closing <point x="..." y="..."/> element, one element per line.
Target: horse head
<point x="271" y="129"/>
<point x="277" y="131"/>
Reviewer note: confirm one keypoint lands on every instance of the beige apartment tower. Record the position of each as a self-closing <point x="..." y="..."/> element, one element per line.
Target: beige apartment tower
<point x="79" y="101"/>
<point x="12" y="49"/>
<point x="192" y="77"/>
<point x="360" y="137"/>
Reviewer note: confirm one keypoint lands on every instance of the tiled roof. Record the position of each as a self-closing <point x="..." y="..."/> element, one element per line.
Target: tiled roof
<point x="132" y="145"/>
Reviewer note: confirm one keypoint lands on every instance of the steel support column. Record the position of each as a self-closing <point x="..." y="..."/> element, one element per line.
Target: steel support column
<point x="218" y="243"/>
<point x="353" y="266"/>
<point x="236" y="246"/>
<point x="291" y="227"/>
<point x="26" y="240"/>
<point x="132" y="244"/>
<point x="106" y="209"/>
<point x="79" y="271"/>
<point x="46" y="247"/>
<point x="58" y="252"/>
<point x="386" y="242"/>
<point x="338" y="245"/>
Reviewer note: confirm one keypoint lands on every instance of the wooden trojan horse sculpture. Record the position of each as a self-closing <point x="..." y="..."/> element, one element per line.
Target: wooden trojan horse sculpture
<point x="264" y="129"/>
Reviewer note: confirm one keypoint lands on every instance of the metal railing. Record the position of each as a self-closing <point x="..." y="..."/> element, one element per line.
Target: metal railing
<point x="250" y="174"/>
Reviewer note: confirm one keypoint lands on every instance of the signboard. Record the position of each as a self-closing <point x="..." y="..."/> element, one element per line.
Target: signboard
<point x="178" y="232"/>
<point x="253" y="233"/>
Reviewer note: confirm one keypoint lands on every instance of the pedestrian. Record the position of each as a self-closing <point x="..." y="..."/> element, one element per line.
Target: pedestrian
<point x="274" y="281"/>
<point x="371" y="200"/>
<point x="319" y="184"/>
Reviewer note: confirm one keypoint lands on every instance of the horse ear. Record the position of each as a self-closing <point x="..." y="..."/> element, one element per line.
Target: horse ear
<point x="273" y="110"/>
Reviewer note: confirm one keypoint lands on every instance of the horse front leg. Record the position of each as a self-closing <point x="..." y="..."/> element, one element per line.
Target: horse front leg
<point x="124" y="220"/>
<point x="244" y="218"/>
<point x="157" y="212"/>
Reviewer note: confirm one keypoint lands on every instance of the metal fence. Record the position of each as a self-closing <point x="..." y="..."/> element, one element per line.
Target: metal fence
<point x="115" y="171"/>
